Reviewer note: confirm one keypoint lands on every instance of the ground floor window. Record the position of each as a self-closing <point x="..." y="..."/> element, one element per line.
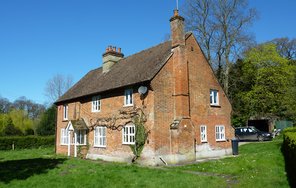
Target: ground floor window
<point x="128" y="134"/>
<point x="100" y="137"/>
<point x="220" y="133"/>
<point x="81" y="137"/>
<point x="203" y="133"/>
<point x="64" y="137"/>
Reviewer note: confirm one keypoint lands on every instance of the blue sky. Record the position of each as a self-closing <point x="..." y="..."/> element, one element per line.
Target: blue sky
<point x="40" y="38"/>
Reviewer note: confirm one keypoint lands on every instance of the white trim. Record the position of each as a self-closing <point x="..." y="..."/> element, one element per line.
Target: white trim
<point x="70" y="126"/>
<point x="75" y="144"/>
<point x="128" y="134"/>
<point x="128" y="97"/>
<point x="214" y="97"/>
<point x="203" y="133"/>
<point x="100" y="139"/>
<point x="96" y="104"/>
<point x="69" y="143"/>
<point x="65" y="111"/>
<point x="220" y="133"/>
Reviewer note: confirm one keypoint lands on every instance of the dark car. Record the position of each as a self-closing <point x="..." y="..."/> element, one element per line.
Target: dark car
<point x="251" y="134"/>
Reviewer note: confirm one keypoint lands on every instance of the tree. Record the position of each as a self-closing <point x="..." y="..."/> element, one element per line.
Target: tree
<point x="220" y="27"/>
<point x="270" y="75"/>
<point x="286" y="47"/>
<point x="32" y="109"/>
<point x="200" y="19"/>
<point x="47" y="122"/>
<point x="5" y="105"/>
<point x="21" y="120"/>
<point x="11" y="130"/>
<point x="57" y="86"/>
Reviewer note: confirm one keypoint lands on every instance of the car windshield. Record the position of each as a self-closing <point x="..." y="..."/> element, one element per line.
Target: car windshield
<point x="252" y="129"/>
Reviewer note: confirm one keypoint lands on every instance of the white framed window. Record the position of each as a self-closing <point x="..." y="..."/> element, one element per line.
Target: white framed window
<point x="65" y="112"/>
<point x="81" y="137"/>
<point x="220" y="132"/>
<point x="100" y="137"/>
<point x="96" y="104"/>
<point x="203" y="133"/>
<point x="214" y="97"/>
<point x="128" y="97"/>
<point x="64" y="137"/>
<point x="128" y="134"/>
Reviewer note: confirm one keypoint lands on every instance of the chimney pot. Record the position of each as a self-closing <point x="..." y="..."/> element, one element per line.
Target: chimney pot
<point x="110" y="57"/>
<point x="176" y="13"/>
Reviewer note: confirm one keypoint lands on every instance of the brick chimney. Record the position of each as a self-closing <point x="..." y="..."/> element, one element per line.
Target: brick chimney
<point x="177" y="29"/>
<point x="181" y="80"/>
<point x="110" y="57"/>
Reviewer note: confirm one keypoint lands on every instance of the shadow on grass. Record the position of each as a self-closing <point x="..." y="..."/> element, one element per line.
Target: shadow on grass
<point x="290" y="163"/>
<point x="23" y="169"/>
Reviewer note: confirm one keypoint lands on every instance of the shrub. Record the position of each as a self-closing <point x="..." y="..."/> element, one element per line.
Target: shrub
<point x="11" y="130"/>
<point x="26" y="142"/>
<point x="289" y="151"/>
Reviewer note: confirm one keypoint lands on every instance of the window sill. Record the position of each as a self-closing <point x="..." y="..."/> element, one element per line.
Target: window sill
<point x="128" y="143"/>
<point x="128" y="105"/>
<point x="221" y="140"/>
<point x="96" y="111"/>
<point x="215" y="105"/>
<point x="104" y="147"/>
<point x="204" y="142"/>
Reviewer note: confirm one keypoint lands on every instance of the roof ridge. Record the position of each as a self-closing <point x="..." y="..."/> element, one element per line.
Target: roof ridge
<point x="147" y="49"/>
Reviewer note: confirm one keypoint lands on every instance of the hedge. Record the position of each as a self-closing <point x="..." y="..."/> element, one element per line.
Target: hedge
<point x="26" y="142"/>
<point x="289" y="151"/>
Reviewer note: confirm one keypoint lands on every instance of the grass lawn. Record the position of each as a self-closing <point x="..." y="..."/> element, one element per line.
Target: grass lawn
<point x="258" y="165"/>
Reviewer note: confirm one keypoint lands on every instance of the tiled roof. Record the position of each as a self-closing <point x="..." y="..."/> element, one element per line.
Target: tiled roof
<point x="137" y="68"/>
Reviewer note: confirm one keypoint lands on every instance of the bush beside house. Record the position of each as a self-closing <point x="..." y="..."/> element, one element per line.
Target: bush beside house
<point x="289" y="151"/>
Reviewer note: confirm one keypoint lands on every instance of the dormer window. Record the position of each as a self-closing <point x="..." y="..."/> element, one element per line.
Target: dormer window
<point x="214" y="97"/>
<point x="65" y="112"/>
<point x="96" y="104"/>
<point x="128" y="97"/>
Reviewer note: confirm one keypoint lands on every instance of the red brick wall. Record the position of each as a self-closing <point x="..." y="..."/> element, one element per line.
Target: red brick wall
<point x="110" y="105"/>
<point x="201" y="80"/>
<point x="163" y="88"/>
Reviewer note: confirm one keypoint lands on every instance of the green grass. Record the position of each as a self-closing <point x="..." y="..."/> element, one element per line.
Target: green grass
<point x="258" y="165"/>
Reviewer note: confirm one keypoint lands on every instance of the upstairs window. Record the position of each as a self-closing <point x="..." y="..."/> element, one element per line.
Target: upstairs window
<point x="128" y="134"/>
<point x="96" y="104"/>
<point x="203" y="133"/>
<point x="128" y="97"/>
<point x="214" y="97"/>
<point x="100" y="137"/>
<point x="220" y="133"/>
<point x="65" y="112"/>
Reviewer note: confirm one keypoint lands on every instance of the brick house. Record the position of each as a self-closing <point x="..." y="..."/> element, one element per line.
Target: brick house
<point x="187" y="114"/>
